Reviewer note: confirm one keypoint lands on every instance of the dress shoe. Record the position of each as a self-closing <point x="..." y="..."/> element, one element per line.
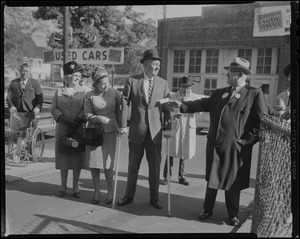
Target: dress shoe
<point x="95" y="201"/>
<point x="76" y="194"/>
<point x="234" y="221"/>
<point x="156" y="204"/>
<point x="125" y="201"/>
<point x="61" y="193"/>
<point x="205" y="215"/>
<point x="108" y="200"/>
<point x="182" y="180"/>
<point x="163" y="181"/>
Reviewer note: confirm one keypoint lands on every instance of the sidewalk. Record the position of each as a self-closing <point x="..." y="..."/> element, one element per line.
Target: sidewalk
<point x="186" y="202"/>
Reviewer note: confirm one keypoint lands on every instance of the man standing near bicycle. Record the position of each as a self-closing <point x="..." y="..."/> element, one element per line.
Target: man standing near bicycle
<point x="24" y="99"/>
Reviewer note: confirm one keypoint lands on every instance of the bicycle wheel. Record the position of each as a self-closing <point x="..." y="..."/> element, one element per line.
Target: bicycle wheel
<point x="37" y="145"/>
<point x="23" y="160"/>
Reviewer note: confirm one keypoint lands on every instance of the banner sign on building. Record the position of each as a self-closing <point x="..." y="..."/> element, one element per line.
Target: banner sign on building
<point x="105" y="56"/>
<point x="272" y="21"/>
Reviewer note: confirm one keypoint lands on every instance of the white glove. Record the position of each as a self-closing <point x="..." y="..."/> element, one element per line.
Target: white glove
<point x="36" y="111"/>
<point x="103" y="119"/>
<point x="13" y="109"/>
<point x="123" y="130"/>
<point x="167" y="134"/>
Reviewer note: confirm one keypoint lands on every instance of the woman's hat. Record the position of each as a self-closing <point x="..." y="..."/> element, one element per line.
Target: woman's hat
<point x="239" y="64"/>
<point x="150" y="54"/>
<point x="186" y="81"/>
<point x="99" y="73"/>
<point x="71" y="67"/>
<point x="286" y="70"/>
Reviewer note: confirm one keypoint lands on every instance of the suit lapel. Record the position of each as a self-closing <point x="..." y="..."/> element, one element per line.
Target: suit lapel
<point x="239" y="95"/>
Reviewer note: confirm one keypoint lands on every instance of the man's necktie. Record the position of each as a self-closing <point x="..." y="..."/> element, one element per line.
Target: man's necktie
<point x="150" y="89"/>
<point x="231" y="91"/>
<point x="23" y="85"/>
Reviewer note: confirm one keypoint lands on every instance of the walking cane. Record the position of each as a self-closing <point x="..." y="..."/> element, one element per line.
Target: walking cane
<point x="169" y="185"/>
<point x="117" y="159"/>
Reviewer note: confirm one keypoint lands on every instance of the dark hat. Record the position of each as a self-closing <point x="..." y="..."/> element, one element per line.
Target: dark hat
<point x="150" y="54"/>
<point x="85" y="73"/>
<point x="286" y="70"/>
<point x="99" y="73"/>
<point x="71" y="67"/>
<point x="239" y="64"/>
<point x="186" y="81"/>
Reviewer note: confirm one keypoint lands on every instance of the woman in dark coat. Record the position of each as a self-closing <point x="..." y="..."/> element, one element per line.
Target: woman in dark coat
<point x="235" y="114"/>
<point x="67" y="110"/>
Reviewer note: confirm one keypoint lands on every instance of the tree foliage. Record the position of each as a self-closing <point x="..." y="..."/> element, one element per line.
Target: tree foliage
<point x="18" y="22"/>
<point x="95" y="26"/>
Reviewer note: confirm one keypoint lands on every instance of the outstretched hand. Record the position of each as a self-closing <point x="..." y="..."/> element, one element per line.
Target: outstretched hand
<point x="175" y="103"/>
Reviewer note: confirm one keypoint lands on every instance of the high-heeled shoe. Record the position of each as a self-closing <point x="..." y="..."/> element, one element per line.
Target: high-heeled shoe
<point x="95" y="201"/>
<point x="61" y="193"/>
<point x="76" y="194"/>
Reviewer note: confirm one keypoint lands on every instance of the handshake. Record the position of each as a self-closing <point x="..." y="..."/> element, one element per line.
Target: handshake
<point x="171" y="103"/>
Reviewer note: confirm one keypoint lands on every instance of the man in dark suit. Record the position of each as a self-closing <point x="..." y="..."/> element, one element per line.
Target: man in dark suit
<point x="148" y="119"/>
<point x="235" y="114"/>
<point x="24" y="99"/>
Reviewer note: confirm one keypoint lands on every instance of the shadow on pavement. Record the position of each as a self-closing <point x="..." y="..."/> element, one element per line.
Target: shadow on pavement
<point x="67" y="226"/>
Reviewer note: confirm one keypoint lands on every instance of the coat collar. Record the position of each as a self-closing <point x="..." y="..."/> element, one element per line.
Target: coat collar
<point x="77" y="89"/>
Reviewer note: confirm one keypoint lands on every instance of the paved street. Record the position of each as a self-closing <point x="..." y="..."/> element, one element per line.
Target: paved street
<point x="32" y="206"/>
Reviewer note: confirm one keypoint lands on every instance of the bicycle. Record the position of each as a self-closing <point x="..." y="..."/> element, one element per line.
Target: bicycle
<point x="23" y="145"/>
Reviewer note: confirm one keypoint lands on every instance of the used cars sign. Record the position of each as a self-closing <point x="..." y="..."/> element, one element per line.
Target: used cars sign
<point x="109" y="56"/>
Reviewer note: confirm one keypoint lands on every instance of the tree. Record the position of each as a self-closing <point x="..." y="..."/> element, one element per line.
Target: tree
<point x="19" y="26"/>
<point x="95" y="26"/>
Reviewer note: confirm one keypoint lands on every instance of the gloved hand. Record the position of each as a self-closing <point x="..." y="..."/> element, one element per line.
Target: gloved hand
<point x="122" y="130"/>
<point x="167" y="134"/>
<point x="36" y="111"/>
<point x="12" y="109"/>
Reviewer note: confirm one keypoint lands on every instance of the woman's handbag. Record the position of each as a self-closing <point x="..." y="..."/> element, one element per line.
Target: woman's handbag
<point x="91" y="136"/>
<point x="68" y="145"/>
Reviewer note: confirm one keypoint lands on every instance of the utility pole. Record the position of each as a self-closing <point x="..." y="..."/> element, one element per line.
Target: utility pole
<point x="66" y="34"/>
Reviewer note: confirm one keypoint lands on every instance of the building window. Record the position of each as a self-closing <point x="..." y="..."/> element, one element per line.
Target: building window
<point x="210" y="85"/>
<point x="195" y="61"/>
<point x="40" y="76"/>
<point x="264" y="61"/>
<point x="176" y="84"/>
<point x="179" y="59"/>
<point x="246" y="54"/>
<point x="212" y="59"/>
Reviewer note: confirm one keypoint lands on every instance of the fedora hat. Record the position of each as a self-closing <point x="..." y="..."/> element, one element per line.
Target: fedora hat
<point x="150" y="54"/>
<point x="71" y="67"/>
<point x="186" y="81"/>
<point x="239" y="64"/>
